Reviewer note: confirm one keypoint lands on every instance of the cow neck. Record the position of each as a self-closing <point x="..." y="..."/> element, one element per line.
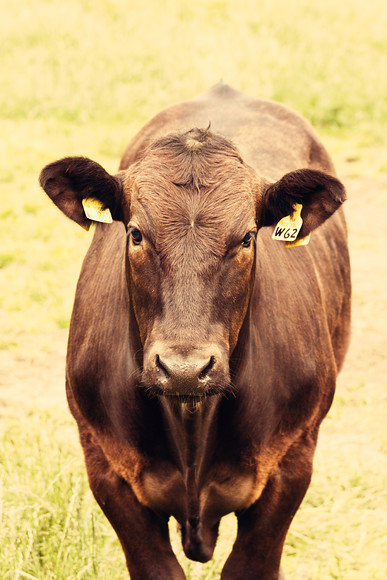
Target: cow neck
<point x="190" y="431"/>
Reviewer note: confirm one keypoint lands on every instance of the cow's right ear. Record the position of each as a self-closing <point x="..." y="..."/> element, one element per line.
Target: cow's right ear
<point x="70" y="180"/>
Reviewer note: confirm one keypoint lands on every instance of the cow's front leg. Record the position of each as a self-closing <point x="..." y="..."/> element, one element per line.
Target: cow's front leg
<point x="144" y="536"/>
<point x="262" y="528"/>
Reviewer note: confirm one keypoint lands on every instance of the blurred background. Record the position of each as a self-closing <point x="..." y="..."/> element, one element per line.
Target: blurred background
<point x="81" y="78"/>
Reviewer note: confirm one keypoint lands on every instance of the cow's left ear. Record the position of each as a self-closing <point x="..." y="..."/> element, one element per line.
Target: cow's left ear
<point x="70" y="180"/>
<point x="319" y="193"/>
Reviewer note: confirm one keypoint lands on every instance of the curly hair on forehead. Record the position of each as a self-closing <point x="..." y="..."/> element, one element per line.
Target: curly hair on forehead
<point x="196" y="157"/>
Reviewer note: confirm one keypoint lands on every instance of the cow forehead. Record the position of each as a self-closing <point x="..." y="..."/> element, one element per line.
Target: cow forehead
<point x="167" y="193"/>
<point x="172" y="212"/>
<point x="192" y="188"/>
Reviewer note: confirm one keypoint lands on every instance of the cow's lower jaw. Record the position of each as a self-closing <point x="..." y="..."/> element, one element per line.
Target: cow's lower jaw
<point x="192" y="403"/>
<point x="190" y="398"/>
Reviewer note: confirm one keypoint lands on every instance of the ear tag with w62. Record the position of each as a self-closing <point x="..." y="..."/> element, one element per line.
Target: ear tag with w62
<point x="93" y="209"/>
<point x="288" y="228"/>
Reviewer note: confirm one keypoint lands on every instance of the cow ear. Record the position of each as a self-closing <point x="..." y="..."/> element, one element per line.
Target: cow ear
<point x="319" y="193"/>
<point x="70" y="180"/>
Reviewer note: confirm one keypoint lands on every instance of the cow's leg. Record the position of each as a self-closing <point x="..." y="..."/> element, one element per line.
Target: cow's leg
<point x="262" y="528"/>
<point x="144" y="536"/>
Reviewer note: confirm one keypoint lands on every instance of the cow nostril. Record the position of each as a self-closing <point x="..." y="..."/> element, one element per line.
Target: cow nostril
<point x="182" y="370"/>
<point x="160" y="367"/>
<point x="207" y="368"/>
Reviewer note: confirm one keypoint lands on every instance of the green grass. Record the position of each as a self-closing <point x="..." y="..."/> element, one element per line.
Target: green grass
<point x="80" y="78"/>
<point x="49" y="525"/>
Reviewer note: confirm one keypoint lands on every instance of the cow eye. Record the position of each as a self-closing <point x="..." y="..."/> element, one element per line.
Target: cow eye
<point x="246" y="242"/>
<point x="136" y="236"/>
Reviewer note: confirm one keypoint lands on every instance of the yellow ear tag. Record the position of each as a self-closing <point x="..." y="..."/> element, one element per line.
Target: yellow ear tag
<point x="94" y="211"/>
<point x="287" y="229"/>
<point x="299" y="242"/>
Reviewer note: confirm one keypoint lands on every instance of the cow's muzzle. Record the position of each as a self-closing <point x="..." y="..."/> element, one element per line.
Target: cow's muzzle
<point x="183" y="372"/>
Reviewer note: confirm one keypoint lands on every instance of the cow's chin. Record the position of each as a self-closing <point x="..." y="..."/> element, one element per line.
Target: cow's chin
<point x="191" y="398"/>
<point x="189" y="401"/>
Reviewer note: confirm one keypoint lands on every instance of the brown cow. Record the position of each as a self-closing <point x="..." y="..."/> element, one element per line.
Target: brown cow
<point x="203" y="354"/>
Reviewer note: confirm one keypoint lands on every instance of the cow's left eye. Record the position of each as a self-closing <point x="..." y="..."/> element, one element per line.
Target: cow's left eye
<point x="246" y="242"/>
<point x="136" y="236"/>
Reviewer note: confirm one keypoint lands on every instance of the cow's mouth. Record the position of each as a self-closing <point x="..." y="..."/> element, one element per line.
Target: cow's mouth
<point x="189" y="397"/>
<point x="177" y="398"/>
<point x="194" y="397"/>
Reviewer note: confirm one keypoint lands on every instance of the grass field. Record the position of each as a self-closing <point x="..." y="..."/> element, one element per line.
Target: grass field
<point x="81" y="78"/>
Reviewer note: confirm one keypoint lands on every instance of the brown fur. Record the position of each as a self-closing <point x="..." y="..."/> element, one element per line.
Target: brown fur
<point x="202" y="354"/>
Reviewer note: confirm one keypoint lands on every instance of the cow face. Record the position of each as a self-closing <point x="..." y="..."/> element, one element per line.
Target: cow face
<point x="191" y="223"/>
<point x="191" y="209"/>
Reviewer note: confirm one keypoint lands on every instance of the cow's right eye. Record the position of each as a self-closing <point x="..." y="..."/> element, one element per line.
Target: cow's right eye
<point x="246" y="242"/>
<point x="136" y="236"/>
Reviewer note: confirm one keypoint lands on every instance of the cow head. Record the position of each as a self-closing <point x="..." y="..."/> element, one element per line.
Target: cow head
<point x="192" y="210"/>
